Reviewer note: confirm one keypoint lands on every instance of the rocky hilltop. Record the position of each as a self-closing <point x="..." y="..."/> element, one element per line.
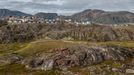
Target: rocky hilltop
<point x="104" y="17"/>
<point x="24" y="32"/>
<point x="82" y="56"/>
<point x="79" y="56"/>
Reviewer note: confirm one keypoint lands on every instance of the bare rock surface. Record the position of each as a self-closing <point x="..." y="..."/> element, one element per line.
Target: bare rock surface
<point x="79" y="60"/>
<point x="26" y="32"/>
<point x="78" y="56"/>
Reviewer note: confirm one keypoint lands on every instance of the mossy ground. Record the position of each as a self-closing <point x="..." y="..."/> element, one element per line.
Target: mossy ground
<point x="99" y="67"/>
<point x="28" y="49"/>
<point x="17" y="69"/>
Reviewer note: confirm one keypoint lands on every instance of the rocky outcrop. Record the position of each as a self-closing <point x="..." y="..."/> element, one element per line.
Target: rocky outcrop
<point x="77" y="60"/>
<point x="18" y="33"/>
<point x="26" y="32"/>
<point x="78" y="56"/>
<point x="94" y="33"/>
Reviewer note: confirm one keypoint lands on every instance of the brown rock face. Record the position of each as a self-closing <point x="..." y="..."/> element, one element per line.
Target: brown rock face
<point x="24" y="32"/>
<point x="79" y="56"/>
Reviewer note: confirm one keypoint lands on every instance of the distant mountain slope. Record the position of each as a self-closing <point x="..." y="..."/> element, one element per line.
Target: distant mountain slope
<point x="100" y="16"/>
<point x="6" y="12"/>
<point x="46" y="15"/>
<point x="97" y="16"/>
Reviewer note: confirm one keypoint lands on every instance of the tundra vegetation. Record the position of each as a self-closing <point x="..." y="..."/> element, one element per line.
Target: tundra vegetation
<point x="66" y="49"/>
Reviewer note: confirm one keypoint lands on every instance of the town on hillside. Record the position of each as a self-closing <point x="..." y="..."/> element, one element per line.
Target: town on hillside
<point x="33" y="19"/>
<point x="12" y="20"/>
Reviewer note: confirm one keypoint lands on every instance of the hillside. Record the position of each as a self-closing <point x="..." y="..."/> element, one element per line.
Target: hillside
<point x="41" y="49"/>
<point x="6" y="12"/>
<point x="46" y="15"/>
<point x="105" y="17"/>
<point x="66" y="48"/>
<point x="56" y="57"/>
<point x="95" y="16"/>
<point x="24" y="32"/>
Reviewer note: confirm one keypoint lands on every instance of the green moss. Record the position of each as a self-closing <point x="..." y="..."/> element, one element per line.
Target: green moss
<point x="129" y="44"/>
<point x="50" y="72"/>
<point x="17" y="46"/>
<point x="17" y="69"/>
<point x="115" y="64"/>
<point x="44" y="46"/>
<point x="79" y="70"/>
<point x="6" y="49"/>
<point x="12" y="69"/>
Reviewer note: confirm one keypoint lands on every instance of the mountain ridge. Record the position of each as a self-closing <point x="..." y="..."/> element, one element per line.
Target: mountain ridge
<point x="7" y="12"/>
<point x="106" y="17"/>
<point x="93" y="15"/>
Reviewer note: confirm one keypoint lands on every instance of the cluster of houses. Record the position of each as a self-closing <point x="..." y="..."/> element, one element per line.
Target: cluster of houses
<point x="33" y="19"/>
<point x="82" y="23"/>
<point x="19" y="20"/>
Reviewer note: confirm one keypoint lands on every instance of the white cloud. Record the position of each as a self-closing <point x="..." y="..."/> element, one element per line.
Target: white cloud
<point x="66" y="6"/>
<point x="55" y="2"/>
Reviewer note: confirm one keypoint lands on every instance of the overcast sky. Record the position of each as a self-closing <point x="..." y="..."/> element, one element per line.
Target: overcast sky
<point x="66" y="6"/>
